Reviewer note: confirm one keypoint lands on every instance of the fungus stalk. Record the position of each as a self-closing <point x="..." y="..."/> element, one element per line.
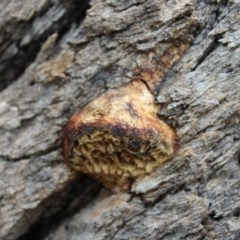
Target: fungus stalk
<point x="118" y="136"/>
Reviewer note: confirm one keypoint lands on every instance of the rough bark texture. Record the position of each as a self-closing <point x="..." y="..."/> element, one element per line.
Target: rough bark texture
<point x="56" y="56"/>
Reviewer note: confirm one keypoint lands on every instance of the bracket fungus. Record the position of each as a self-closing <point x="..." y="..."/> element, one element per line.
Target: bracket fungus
<point x="118" y="136"/>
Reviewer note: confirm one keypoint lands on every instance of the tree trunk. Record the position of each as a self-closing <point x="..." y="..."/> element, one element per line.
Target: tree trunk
<point x="56" y="56"/>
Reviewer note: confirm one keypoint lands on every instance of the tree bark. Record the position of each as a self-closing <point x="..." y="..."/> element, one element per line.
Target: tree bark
<point x="56" y="56"/>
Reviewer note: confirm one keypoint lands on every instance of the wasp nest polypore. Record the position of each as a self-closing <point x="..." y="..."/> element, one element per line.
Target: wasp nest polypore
<point x="118" y="136"/>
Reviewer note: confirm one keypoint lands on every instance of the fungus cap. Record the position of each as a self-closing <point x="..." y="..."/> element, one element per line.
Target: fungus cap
<point x="118" y="136"/>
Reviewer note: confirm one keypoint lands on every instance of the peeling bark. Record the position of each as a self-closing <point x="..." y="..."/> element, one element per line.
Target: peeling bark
<point x="57" y="56"/>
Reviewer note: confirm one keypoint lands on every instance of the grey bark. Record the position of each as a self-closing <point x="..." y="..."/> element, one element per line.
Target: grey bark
<point x="55" y="58"/>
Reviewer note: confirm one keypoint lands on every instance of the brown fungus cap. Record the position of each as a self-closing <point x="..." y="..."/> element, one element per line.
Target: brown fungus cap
<point x="118" y="136"/>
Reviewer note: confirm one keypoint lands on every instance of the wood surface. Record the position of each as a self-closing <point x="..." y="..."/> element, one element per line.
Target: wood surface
<point x="56" y="56"/>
